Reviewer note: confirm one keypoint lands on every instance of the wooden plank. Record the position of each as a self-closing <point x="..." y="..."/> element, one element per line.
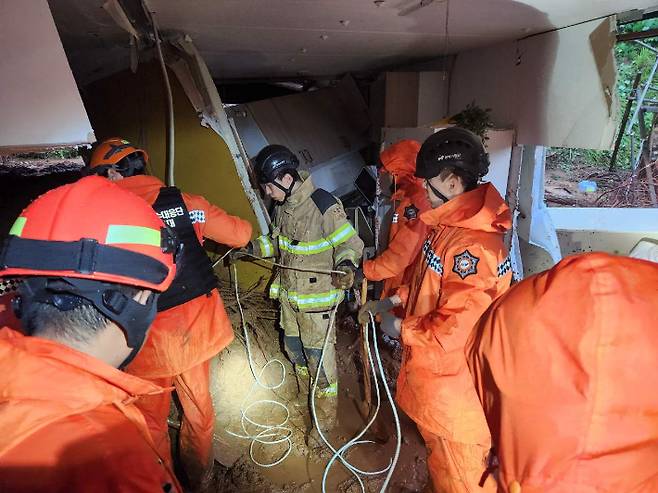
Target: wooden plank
<point x="632" y="36"/>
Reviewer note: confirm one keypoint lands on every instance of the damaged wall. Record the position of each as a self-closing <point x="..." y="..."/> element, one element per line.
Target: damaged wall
<point x="132" y="106"/>
<point x="39" y="99"/>
<point x="557" y="88"/>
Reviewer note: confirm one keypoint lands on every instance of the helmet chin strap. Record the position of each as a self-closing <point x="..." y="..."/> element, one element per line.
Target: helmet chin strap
<point x="286" y="191"/>
<point x="67" y="293"/>
<point x="436" y="192"/>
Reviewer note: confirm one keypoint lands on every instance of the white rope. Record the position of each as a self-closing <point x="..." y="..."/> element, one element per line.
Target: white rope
<point x="270" y="434"/>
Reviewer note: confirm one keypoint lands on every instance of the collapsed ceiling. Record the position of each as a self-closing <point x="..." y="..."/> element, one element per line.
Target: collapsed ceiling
<point x="267" y="39"/>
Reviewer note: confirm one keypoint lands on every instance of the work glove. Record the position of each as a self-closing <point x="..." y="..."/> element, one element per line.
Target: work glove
<point x="390" y="325"/>
<point x="240" y="253"/>
<point x="376" y="307"/>
<point x="345" y="281"/>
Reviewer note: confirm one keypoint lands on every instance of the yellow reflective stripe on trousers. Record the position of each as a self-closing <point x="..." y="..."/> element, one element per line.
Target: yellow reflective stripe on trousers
<point x="274" y="291"/>
<point x="266" y="246"/>
<point x="330" y="391"/>
<point x="341" y="235"/>
<point x="310" y="301"/>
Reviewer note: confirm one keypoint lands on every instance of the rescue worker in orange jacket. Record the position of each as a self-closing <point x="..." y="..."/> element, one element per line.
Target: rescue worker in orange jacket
<point x="407" y="231"/>
<point x="192" y="325"/>
<point x="564" y="364"/>
<point x="90" y="256"/>
<point x="464" y="266"/>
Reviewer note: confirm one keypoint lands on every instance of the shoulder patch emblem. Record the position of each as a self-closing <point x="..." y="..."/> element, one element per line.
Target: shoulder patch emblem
<point x="411" y="212"/>
<point x="465" y="264"/>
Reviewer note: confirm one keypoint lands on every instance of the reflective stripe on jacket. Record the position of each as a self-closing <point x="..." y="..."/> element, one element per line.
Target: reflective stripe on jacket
<point x="306" y="236"/>
<point x="462" y="269"/>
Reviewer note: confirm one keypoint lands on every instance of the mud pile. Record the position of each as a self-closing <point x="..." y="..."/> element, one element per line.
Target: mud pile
<point x="232" y="388"/>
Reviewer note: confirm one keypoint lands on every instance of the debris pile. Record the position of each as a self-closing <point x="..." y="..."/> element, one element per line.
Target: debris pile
<point x="301" y="471"/>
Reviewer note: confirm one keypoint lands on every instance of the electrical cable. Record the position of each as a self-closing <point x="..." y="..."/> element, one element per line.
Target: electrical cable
<point x="396" y="417"/>
<point x="270" y="434"/>
<point x="169" y="166"/>
<point x="279" y="433"/>
<point x="221" y="258"/>
<point x="338" y="454"/>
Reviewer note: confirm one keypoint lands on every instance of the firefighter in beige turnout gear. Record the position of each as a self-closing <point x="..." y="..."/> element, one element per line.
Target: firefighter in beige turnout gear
<point x="310" y="230"/>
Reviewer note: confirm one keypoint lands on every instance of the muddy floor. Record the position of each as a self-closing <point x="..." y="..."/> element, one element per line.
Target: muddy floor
<point x="233" y="390"/>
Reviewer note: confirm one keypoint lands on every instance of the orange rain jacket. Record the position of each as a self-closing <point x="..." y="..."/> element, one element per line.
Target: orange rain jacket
<point x="69" y="424"/>
<point x="393" y="265"/>
<point x="184" y="338"/>
<point x="463" y="268"/>
<point x="565" y="364"/>
<point x="174" y="346"/>
<point x="407" y="232"/>
<point x="399" y="160"/>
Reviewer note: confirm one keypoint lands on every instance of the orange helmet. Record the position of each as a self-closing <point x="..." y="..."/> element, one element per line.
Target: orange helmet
<point x="91" y="229"/>
<point x="78" y="241"/>
<point x="118" y="154"/>
<point x="399" y="159"/>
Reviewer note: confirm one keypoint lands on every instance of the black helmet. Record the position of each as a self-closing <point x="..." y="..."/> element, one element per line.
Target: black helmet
<point x="452" y="146"/>
<point x="272" y="160"/>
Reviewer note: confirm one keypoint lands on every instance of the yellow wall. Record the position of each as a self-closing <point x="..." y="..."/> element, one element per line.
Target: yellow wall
<point x="132" y="106"/>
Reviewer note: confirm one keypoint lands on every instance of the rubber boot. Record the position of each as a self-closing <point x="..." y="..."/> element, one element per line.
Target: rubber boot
<point x="326" y="406"/>
<point x="303" y="385"/>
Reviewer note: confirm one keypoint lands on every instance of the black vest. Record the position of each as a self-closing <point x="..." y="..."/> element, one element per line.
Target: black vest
<point x="194" y="273"/>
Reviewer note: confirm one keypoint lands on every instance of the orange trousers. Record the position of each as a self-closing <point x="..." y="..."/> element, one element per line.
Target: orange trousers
<point x="457" y="467"/>
<point x="197" y="422"/>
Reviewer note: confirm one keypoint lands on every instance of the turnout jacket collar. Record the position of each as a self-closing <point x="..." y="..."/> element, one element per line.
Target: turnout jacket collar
<point x="68" y="382"/>
<point x="302" y="194"/>
<point x="482" y="209"/>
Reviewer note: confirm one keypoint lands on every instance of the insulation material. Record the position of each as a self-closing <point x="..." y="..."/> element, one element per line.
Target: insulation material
<point x="41" y="105"/>
<point x="557" y="88"/>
